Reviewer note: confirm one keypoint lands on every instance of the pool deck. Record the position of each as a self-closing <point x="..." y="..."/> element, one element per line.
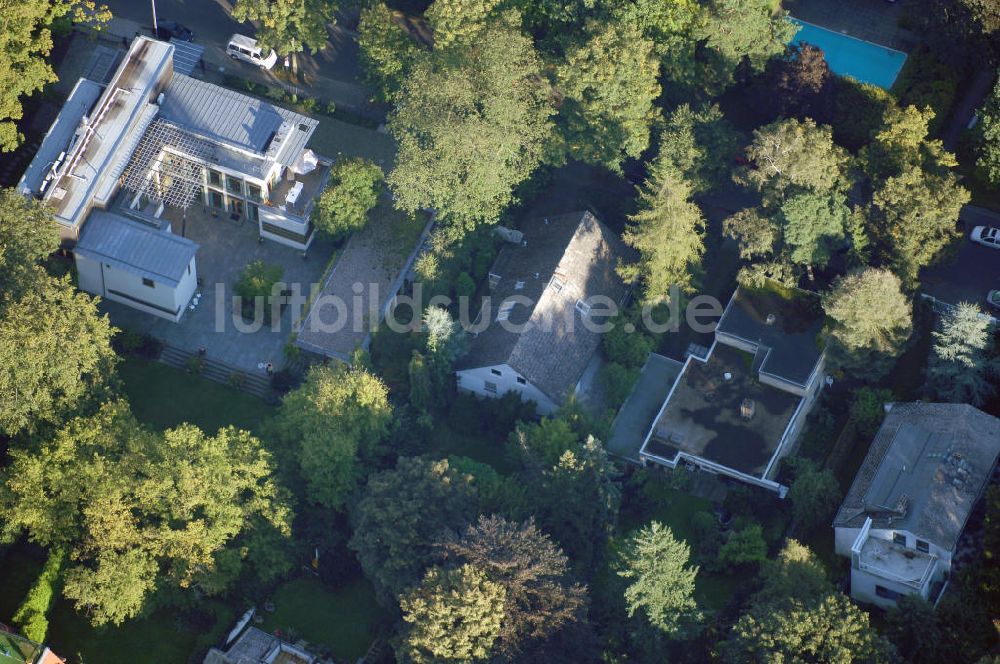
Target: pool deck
<point x="877" y="22"/>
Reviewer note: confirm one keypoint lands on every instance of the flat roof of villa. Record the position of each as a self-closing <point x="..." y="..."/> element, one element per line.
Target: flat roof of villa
<point x="703" y="418"/>
<point x="639" y="411"/>
<point x="790" y="338"/>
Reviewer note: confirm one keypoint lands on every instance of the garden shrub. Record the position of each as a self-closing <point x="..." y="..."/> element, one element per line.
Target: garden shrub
<point x="859" y="109"/>
<point x="617" y="382"/>
<point x="925" y="82"/>
<point x="629" y="349"/>
<point x="32" y="615"/>
<point x="257" y="280"/>
<point x="464" y="285"/>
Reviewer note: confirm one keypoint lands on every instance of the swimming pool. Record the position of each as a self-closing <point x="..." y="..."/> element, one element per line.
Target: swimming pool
<point x="849" y="56"/>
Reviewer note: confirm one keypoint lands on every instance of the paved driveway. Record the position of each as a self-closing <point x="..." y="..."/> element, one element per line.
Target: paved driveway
<point x="972" y="272"/>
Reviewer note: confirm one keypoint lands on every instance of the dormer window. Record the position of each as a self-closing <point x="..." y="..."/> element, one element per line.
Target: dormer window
<point x="519" y="285"/>
<point x="556" y="283"/>
<point x="505" y="309"/>
<point x="583" y="307"/>
<point x="494" y="280"/>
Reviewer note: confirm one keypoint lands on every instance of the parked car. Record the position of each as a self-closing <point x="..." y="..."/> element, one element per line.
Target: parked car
<point x="986" y="236"/>
<point x="166" y="30"/>
<point x="245" y="48"/>
<point x="993" y="299"/>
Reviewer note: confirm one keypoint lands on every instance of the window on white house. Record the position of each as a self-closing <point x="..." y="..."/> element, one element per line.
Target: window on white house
<point x="522" y="381"/>
<point x="583" y="307"/>
<point x="556" y="283"/>
<point x="149" y="283"/>
<point x="490" y="386"/>
<point x="899" y="538"/>
<point x="887" y="593"/>
<point x="923" y="546"/>
<point x="495" y="372"/>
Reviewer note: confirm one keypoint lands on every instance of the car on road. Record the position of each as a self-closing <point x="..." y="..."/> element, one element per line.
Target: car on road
<point x="241" y="47"/>
<point x="986" y="236"/>
<point x="166" y="30"/>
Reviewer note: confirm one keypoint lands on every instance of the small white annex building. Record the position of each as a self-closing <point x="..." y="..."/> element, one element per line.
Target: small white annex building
<point x="906" y="510"/>
<point x="155" y="136"/>
<point x="545" y="291"/>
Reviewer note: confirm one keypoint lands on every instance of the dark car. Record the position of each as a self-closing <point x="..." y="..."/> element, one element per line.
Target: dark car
<point x="166" y="30"/>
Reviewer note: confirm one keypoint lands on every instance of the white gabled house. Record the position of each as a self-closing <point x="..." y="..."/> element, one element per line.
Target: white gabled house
<point x="548" y="283"/>
<point x="902" y="519"/>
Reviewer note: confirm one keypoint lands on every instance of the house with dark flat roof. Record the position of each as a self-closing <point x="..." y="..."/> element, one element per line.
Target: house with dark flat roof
<point x="550" y="289"/>
<point x="736" y="410"/>
<point x="902" y="518"/>
<point x="155" y="137"/>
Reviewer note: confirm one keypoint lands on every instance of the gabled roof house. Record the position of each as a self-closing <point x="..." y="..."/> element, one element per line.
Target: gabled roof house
<point x="902" y="518"/>
<point x="736" y="410"/>
<point x="548" y="290"/>
<point x="154" y="137"/>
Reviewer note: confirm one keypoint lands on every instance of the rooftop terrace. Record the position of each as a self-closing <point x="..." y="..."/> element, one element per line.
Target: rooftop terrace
<point x="704" y="415"/>
<point x="896" y="562"/>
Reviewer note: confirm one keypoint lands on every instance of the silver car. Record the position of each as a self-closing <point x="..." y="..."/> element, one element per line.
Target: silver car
<point x="986" y="236"/>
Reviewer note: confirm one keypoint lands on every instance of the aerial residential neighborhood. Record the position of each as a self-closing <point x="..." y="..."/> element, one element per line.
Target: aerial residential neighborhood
<point x="422" y="332"/>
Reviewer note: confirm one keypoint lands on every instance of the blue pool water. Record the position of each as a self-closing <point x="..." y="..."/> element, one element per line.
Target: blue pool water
<point x="848" y="56"/>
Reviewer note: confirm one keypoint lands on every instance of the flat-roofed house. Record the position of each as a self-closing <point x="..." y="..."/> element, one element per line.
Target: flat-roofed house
<point x="154" y="137"/>
<point x="736" y="410"/>
<point x="548" y="292"/>
<point x="902" y="518"/>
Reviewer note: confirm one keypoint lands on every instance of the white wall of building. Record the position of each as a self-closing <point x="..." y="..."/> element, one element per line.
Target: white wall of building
<point x="160" y="299"/>
<point x="475" y="380"/>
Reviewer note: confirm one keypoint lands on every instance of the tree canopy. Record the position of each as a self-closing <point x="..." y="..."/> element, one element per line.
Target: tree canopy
<point x="352" y="191"/>
<point x="288" y="26"/>
<point x="661" y="580"/>
<point x="472" y="122"/>
<point x="870" y="321"/>
<point x="134" y="508"/>
<point x="454" y="615"/>
<point x="333" y="421"/>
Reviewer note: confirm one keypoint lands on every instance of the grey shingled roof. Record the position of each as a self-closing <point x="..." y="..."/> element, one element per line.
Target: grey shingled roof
<point x="925" y="470"/>
<point x="79" y="103"/>
<point x="554" y="350"/>
<point x="135" y="247"/>
<point x="234" y="118"/>
<point x="790" y="341"/>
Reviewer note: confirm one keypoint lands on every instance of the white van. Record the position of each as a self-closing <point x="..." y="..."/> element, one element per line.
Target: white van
<point x="244" y="48"/>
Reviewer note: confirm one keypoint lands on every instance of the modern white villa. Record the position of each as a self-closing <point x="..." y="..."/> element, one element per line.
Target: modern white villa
<point x="154" y="137"/>
<point x="547" y="281"/>
<point x="736" y="409"/>
<point x="902" y="519"/>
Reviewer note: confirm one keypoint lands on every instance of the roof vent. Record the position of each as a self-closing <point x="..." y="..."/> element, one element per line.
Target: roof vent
<point x="728" y="376"/>
<point x="747" y="409"/>
<point x="771" y="318"/>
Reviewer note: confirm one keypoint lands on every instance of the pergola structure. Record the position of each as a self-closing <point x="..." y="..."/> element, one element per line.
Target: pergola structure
<point x="167" y="165"/>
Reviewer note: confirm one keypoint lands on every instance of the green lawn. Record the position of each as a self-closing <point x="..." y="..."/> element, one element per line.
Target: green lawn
<point x="160" y="638"/>
<point x="341" y="620"/>
<point x="164" y="397"/>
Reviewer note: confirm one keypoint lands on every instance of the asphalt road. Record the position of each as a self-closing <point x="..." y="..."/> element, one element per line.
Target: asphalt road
<point x="331" y="74"/>
<point x="973" y="271"/>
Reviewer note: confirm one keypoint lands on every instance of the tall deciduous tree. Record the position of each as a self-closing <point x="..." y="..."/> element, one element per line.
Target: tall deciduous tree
<point x="28" y="235"/>
<point x="798" y="616"/>
<point x="746" y="29"/>
<point x="459" y="21"/>
<point x="454" y="615"/>
<point x="813" y="227"/>
<point x="288" y="26"/>
<point x="790" y="154"/>
<point x="903" y="142"/>
<point x="988" y="161"/>
<point x="668" y="231"/>
<point x="334" y="421"/>
<point x="870" y="321"/>
<point x="960" y="365"/>
<point x="472" y="122"/>
<point x="814" y="494"/>
<point x="351" y="193"/>
<point x="915" y="217"/>
<point x="541" y="599"/>
<point x="25" y="43"/>
<point x="386" y="49"/>
<point x="400" y="516"/>
<point x="134" y="508"/>
<point x="661" y="580"/>
<point x="701" y="144"/>
<point x="800" y="85"/>
<point x="609" y="84"/>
